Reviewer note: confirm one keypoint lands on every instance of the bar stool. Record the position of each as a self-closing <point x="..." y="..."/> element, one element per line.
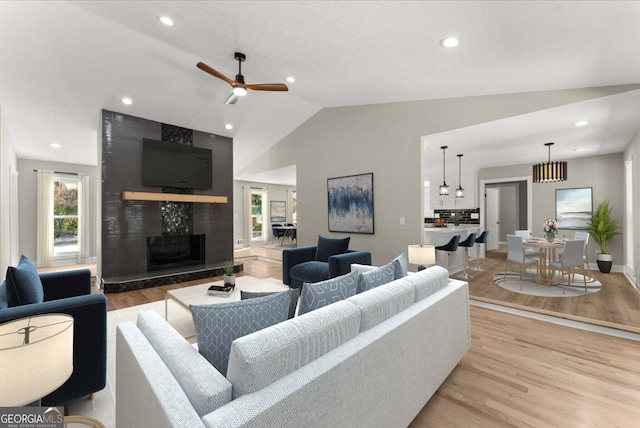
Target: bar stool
<point x="482" y="239"/>
<point x="452" y="245"/>
<point x="470" y="241"/>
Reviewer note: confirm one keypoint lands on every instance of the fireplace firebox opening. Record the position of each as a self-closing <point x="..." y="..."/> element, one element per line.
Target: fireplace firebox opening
<point x="165" y="252"/>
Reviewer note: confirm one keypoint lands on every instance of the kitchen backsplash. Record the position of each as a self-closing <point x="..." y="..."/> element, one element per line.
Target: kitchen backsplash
<point x="469" y="216"/>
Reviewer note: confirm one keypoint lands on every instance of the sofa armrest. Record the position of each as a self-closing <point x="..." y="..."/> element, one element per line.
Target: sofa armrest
<point x="340" y="264"/>
<point x="89" y="314"/>
<point x="60" y="285"/>
<point x="295" y="256"/>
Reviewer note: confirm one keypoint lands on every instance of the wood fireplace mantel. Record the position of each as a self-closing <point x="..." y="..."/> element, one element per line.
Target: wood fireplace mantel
<point x="173" y="197"/>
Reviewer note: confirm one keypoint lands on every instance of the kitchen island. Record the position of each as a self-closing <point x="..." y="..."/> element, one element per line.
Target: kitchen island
<point x="441" y="235"/>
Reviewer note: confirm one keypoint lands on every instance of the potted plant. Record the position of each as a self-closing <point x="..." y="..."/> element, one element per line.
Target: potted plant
<point x="456" y="217"/>
<point x="229" y="276"/>
<point x="603" y="229"/>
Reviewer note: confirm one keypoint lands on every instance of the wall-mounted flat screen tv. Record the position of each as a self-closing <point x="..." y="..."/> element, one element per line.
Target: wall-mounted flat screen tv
<point x="175" y="165"/>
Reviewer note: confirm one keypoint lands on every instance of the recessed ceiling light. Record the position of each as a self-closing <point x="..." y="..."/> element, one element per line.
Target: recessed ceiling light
<point x="228" y="126"/>
<point x="579" y="149"/>
<point x="55" y="145"/>
<point x="127" y="101"/>
<point x="166" y="20"/>
<point x="581" y="123"/>
<point x="291" y="79"/>
<point x="449" y="42"/>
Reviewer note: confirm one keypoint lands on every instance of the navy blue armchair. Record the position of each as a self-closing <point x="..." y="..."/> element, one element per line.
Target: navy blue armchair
<point x="70" y="293"/>
<point x="300" y="265"/>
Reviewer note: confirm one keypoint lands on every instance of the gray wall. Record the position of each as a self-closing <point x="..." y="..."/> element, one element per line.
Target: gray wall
<point x="386" y="139"/>
<point x="125" y="225"/>
<point x="28" y="191"/>
<point x="605" y="174"/>
<point x="508" y="210"/>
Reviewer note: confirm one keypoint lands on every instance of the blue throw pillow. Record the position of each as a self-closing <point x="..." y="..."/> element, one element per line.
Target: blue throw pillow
<point x="319" y="294"/>
<point x="376" y="277"/>
<point x="217" y="325"/>
<point x="401" y="267"/>
<point x="23" y="284"/>
<point x="294" y="295"/>
<point x="328" y="247"/>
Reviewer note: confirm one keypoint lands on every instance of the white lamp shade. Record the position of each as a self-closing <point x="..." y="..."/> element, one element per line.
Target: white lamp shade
<point x="422" y="255"/>
<point x="29" y="371"/>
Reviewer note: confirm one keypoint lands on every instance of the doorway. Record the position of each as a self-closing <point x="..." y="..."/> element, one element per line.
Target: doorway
<point x="505" y="207"/>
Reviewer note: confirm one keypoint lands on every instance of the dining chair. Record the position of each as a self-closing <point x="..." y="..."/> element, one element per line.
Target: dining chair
<point x="277" y="231"/>
<point x="470" y="241"/>
<point x="450" y="246"/>
<point x="482" y="239"/>
<point x="526" y="234"/>
<point x="516" y="255"/>
<point x="572" y="259"/>
<point x="584" y="236"/>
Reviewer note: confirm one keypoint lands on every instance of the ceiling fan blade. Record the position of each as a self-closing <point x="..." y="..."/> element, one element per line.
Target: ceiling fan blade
<point x="231" y="99"/>
<point x="268" y="87"/>
<point x="204" y="67"/>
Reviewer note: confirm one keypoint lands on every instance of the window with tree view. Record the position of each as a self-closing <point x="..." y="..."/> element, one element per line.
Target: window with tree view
<point x="65" y="217"/>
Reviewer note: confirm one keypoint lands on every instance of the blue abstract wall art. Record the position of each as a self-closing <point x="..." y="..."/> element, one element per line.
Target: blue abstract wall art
<point x="350" y="202"/>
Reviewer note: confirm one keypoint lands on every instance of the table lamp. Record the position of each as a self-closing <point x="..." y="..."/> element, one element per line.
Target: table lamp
<point x="36" y="358"/>
<point x="422" y="255"/>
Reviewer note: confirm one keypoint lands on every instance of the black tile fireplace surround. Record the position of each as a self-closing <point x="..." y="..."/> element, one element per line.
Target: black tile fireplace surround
<point x="164" y="252"/>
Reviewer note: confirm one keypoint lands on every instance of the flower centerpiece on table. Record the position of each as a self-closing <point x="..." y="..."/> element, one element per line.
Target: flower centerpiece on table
<point x="550" y="228"/>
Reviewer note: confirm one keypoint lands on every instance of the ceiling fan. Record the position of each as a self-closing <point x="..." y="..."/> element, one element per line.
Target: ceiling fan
<point x="238" y="85"/>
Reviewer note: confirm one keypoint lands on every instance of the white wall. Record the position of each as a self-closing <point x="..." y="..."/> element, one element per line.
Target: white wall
<point x="276" y="193"/>
<point x="8" y="163"/>
<point x="28" y="199"/>
<point x="633" y="152"/>
<point x="385" y="139"/>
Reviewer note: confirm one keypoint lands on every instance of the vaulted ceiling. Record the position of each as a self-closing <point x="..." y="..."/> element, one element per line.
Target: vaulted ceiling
<point x="62" y="62"/>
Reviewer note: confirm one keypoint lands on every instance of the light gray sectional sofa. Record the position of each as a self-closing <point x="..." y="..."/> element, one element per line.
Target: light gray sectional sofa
<point x="372" y="360"/>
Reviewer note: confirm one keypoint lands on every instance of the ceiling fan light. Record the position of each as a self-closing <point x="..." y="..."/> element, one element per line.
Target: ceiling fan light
<point x="239" y="91"/>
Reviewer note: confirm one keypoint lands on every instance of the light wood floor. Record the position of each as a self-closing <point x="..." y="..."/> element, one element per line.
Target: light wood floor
<point x="519" y="372"/>
<point x="617" y="305"/>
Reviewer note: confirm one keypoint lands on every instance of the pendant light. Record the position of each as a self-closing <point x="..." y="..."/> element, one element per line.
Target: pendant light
<point x="444" y="188"/>
<point x="549" y="171"/>
<point x="459" y="190"/>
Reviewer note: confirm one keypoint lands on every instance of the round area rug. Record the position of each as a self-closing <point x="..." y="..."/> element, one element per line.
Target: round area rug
<point x="529" y="286"/>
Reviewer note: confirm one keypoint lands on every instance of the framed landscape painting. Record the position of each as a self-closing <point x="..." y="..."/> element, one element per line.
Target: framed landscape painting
<point x="350" y="203"/>
<point x="574" y="208"/>
<point x="278" y="211"/>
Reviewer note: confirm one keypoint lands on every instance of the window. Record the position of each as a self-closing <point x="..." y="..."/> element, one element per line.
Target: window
<point x="294" y="208"/>
<point x="257" y="224"/>
<point x="65" y="217"/>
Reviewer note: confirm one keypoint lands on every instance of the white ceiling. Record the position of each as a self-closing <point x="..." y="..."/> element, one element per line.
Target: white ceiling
<point x="62" y="62"/>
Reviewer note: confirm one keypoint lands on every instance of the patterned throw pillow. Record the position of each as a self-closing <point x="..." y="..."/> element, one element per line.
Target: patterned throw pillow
<point x="217" y="325"/>
<point x="324" y="293"/>
<point x="23" y="284"/>
<point x="401" y="267"/>
<point x="376" y="277"/>
<point x="294" y="294"/>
